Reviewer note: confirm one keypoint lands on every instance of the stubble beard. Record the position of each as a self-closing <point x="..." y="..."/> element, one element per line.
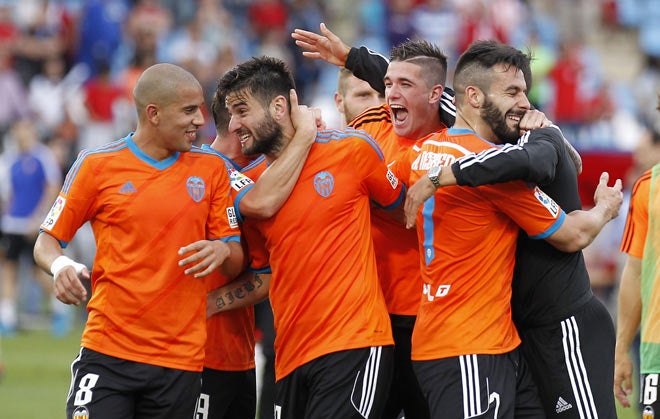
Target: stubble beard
<point x="496" y="120"/>
<point x="266" y="138"/>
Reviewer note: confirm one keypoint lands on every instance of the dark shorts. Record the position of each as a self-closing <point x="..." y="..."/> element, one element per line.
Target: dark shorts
<point x="649" y="398"/>
<point x="227" y="395"/>
<point x="16" y="245"/>
<point x="346" y="384"/>
<point x="405" y="394"/>
<point x="105" y="387"/>
<point x="479" y="386"/>
<point x="572" y="362"/>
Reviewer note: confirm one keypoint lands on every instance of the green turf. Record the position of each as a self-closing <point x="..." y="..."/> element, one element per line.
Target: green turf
<point x="36" y="374"/>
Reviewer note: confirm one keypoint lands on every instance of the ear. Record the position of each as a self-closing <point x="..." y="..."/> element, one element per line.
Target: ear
<point x="339" y="102"/>
<point x="279" y="107"/>
<point x="436" y="93"/>
<point x="153" y="113"/>
<point x="475" y="96"/>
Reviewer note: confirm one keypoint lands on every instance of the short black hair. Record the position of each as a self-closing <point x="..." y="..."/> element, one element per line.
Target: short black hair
<point x="483" y="55"/>
<point x="428" y="56"/>
<point x="263" y="77"/>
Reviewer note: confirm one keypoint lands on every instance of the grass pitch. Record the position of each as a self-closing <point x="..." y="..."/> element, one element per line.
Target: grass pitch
<point x="36" y="375"/>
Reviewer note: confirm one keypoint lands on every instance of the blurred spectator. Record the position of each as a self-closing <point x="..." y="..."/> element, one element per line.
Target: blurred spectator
<point x="100" y="31"/>
<point x="43" y="32"/>
<point x="478" y="22"/>
<point x="435" y="21"/>
<point x="101" y="95"/>
<point x="399" y="23"/>
<point x="149" y="14"/>
<point x="13" y="100"/>
<point x="51" y="93"/>
<point x="267" y="16"/>
<point x="579" y="96"/>
<point x="33" y="181"/>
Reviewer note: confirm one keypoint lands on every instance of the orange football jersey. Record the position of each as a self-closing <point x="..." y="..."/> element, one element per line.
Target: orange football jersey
<point x="324" y="289"/>
<point x="467" y="242"/>
<point x="143" y="307"/>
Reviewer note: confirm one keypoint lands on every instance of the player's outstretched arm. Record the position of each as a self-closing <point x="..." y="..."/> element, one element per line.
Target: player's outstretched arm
<point x="324" y="46"/>
<point x="274" y="186"/>
<point x="628" y="321"/>
<point x="581" y="227"/>
<point x="66" y="272"/>
<point x="248" y="289"/>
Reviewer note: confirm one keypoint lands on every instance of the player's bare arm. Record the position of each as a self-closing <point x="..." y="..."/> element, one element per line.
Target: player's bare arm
<point x="581" y="227"/>
<point x="210" y="255"/>
<point x="628" y="321"/>
<point x="248" y="289"/>
<point x="274" y="186"/>
<point x="325" y="46"/>
<point x="67" y="273"/>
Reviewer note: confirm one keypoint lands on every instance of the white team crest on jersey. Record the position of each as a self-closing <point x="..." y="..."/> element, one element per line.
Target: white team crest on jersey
<point x="196" y="188"/>
<point x="54" y="213"/>
<point x="324" y="183"/>
<point x="547" y="202"/>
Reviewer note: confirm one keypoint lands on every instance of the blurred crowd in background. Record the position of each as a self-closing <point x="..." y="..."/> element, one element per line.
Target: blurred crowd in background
<point x="68" y="67"/>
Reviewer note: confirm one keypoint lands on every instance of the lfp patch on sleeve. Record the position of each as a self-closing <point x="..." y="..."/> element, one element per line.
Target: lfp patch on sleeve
<point x="238" y="180"/>
<point x="547" y="202"/>
<point x="54" y="213"/>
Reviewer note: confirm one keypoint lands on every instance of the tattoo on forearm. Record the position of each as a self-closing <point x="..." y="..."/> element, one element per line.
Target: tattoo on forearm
<point x="239" y="293"/>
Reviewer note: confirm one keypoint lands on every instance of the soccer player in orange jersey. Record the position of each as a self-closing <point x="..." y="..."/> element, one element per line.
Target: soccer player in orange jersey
<point x="465" y="345"/>
<point x="639" y="301"/>
<point x="153" y="200"/>
<point x="333" y="342"/>
<point x="228" y="380"/>
<point x="413" y="83"/>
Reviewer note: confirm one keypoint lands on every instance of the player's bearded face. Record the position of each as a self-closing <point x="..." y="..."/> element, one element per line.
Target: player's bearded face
<point x="266" y="137"/>
<point x="497" y="121"/>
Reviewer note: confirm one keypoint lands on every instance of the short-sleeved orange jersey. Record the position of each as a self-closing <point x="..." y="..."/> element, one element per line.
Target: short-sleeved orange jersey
<point x="324" y="288"/>
<point x="634" y="235"/>
<point x="467" y="241"/>
<point x="230" y="334"/>
<point x="397" y="251"/>
<point x="143" y="307"/>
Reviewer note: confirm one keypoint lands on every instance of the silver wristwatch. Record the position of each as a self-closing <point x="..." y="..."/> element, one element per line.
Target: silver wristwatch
<point x="434" y="174"/>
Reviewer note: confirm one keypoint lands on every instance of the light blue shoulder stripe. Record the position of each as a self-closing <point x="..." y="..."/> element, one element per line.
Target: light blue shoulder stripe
<point x="326" y="136"/>
<point x="254" y="163"/>
<point x="75" y="168"/>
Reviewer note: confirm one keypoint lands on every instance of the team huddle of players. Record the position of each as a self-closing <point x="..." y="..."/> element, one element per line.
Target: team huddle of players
<point x="425" y="259"/>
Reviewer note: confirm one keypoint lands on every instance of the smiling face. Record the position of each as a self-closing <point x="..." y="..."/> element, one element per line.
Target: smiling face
<point x="414" y="114"/>
<point x="257" y="130"/>
<point x="180" y="119"/>
<point x="505" y="103"/>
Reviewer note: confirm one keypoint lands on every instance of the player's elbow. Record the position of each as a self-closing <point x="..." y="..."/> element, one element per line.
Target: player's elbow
<point x="571" y="240"/>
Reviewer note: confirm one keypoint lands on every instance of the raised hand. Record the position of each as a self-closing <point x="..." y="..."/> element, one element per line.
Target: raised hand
<point x="326" y="46"/>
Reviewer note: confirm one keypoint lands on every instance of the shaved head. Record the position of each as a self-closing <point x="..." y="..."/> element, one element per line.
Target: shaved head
<point x="160" y="84"/>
